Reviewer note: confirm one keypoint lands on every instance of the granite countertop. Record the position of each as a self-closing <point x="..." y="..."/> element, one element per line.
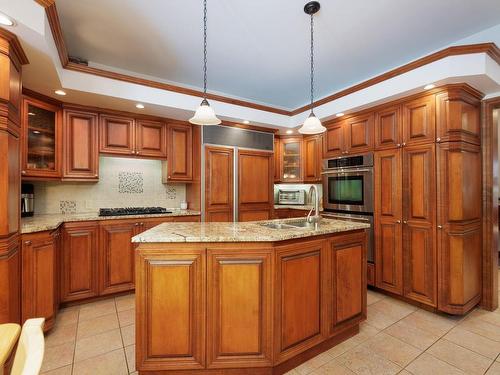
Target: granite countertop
<point x="240" y="232"/>
<point x="295" y="206"/>
<point x="39" y="223"/>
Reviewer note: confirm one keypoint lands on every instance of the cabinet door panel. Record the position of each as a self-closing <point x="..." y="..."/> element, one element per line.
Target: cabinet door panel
<point x="277" y="159"/>
<point x="419" y="233"/>
<point x="180" y="152"/>
<point x="419" y="120"/>
<point x="81" y="152"/>
<point x="348" y="270"/>
<point x="291" y="159"/>
<point x="79" y="262"/>
<point x="174" y="285"/>
<point x="388" y="221"/>
<point x="151" y="138"/>
<point x="219" y="190"/>
<point x="359" y="133"/>
<point x="312" y="159"/>
<point x="116" y="135"/>
<point x="239" y="309"/>
<point x="333" y="140"/>
<point x="388" y="128"/>
<point x="117" y="257"/>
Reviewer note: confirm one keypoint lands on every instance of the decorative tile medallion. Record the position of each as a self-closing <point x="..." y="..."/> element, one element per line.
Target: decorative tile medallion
<point x="67" y="207"/>
<point x="130" y="183"/>
<point x="171" y="192"/>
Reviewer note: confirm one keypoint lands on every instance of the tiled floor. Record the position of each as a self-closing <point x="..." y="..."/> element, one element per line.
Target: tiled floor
<point x="98" y="338"/>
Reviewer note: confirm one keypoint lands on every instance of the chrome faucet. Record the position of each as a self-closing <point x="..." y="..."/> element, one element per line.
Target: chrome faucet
<point x="316" y="218"/>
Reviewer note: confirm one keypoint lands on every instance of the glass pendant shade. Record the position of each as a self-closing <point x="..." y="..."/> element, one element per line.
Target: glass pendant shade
<point x="204" y="115"/>
<point x="312" y="125"/>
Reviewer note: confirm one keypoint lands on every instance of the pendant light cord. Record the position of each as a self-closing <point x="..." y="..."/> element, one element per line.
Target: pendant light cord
<point x="204" y="49"/>
<point x="312" y="62"/>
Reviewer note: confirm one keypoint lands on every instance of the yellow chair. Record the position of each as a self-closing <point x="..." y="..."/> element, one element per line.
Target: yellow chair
<point x="29" y="354"/>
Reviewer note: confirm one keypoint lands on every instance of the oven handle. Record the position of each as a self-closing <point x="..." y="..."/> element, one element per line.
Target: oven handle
<point x="348" y="171"/>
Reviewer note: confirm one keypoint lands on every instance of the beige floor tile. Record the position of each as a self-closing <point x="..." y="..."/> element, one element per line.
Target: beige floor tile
<point x="126" y="317"/>
<point x="474" y="342"/>
<point x="373" y="297"/>
<point x="60" y="334"/>
<point x="492" y="317"/>
<point x="96" y="309"/>
<point x="313" y="364"/>
<point x="392" y="349"/>
<point x="128" y="335"/>
<point x="395" y="308"/>
<point x="426" y="364"/>
<point x="58" y="356"/>
<point x="66" y="370"/>
<point x="482" y="328"/>
<point x="125" y="302"/>
<point x="99" y="344"/>
<point x="130" y="355"/>
<point x="291" y="372"/>
<point x="95" y="326"/>
<point x="112" y="363"/>
<point x="333" y="368"/>
<point x="494" y="369"/>
<point x="68" y="316"/>
<point x="363" y="361"/>
<point x="344" y="347"/>
<point x="404" y="372"/>
<point x="379" y="319"/>
<point x="430" y="322"/>
<point x="464" y="359"/>
<point x="412" y="335"/>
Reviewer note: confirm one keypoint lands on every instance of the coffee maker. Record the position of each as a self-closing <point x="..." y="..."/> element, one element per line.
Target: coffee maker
<point x="27" y="200"/>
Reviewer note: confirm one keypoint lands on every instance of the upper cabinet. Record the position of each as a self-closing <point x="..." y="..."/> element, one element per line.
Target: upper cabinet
<point x="312" y="158"/>
<point x="81" y="151"/>
<point x="117" y="135"/>
<point x="291" y="159"/>
<point x="42" y="139"/>
<point x="333" y="140"/>
<point x="388" y="131"/>
<point x="419" y="121"/>
<point x="349" y="136"/>
<point x="151" y="139"/>
<point x="180" y="153"/>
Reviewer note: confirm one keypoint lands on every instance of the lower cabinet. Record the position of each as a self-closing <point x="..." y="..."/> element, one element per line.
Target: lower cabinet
<point x="239" y="308"/>
<point x="286" y="213"/>
<point x="39" y="277"/>
<point x="79" y="261"/>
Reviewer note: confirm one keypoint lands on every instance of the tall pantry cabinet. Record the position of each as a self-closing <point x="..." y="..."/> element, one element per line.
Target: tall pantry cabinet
<point x="428" y="199"/>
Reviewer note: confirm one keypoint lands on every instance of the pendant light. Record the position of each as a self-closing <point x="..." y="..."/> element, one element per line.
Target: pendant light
<point x="204" y="115"/>
<point x="312" y="125"/>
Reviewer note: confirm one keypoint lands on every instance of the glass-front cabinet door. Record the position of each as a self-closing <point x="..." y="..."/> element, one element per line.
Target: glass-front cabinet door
<point x="291" y="159"/>
<point x="42" y="141"/>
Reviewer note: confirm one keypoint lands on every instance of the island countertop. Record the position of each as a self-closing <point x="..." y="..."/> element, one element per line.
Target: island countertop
<point x="240" y="231"/>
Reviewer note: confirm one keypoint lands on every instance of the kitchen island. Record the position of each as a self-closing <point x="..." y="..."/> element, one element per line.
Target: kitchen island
<point x="246" y="298"/>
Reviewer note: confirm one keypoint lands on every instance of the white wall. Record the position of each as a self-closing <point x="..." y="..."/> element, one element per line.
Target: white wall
<point x="122" y="183"/>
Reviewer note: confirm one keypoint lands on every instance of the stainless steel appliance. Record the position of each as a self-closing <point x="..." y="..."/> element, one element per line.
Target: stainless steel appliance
<point x="358" y="218"/>
<point x="291" y="196"/>
<point x="27" y="200"/>
<point x="348" y="183"/>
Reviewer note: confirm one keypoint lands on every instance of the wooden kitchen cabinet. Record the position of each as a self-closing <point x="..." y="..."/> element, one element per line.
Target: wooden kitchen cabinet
<point x="334" y="139"/>
<point x="219" y="189"/>
<point x="39" y="277"/>
<point x="419" y="120"/>
<point x="41" y="129"/>
<point x="117" y="135"/>
<point x="277" y="159"/>
<point x="291" y="159"/>
<point x="239" y="308"/>
<point x="347" y="302"/>
<point x="388" y="128"/>
<point x="312" y="146"/>
<point x="81" y="147"/>
<point x="79" y="261"/>
<point x="286" y="213"/>
<point x="151" y="139"/>
<point x="350" y="136"/>
<point x="179" y="153"/>
<point x="419" y="224"/>
<point x="255" y="185"/>
<point x="388" y="220"/>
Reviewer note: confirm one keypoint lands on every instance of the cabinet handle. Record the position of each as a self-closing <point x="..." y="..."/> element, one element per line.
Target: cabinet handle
<point x="27" y="243"/>
<point x="440" y="227"/>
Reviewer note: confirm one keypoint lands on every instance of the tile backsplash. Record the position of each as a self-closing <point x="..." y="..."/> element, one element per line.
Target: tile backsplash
<point x="122" y="183"/>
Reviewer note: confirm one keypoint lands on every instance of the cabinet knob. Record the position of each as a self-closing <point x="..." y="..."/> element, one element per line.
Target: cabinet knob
<point x="398" y="145"/>
<point x="438" y="139"/>
<point x="136" y="224"/>
<point x="398" y="221"/>
<point x="403" y="144"/>
<point x="27" y="243"/>
<point x="141" y="224"/>
<point x="23" y="172"/>
<point x="440" y="227"/>
<point x="137" y="152"/>
<point x="405" y="222"/>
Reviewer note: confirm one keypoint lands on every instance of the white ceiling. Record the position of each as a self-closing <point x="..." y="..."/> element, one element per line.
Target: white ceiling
<point x="259" y="50"/>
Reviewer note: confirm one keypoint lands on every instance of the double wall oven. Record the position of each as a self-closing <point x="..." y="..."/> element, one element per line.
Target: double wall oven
<point x="348" y="190"/>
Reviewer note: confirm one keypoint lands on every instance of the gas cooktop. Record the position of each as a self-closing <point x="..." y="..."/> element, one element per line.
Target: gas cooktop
<point x="132" y="211"/>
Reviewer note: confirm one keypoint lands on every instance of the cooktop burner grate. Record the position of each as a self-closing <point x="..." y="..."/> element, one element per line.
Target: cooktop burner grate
<point x="132" y="211"/>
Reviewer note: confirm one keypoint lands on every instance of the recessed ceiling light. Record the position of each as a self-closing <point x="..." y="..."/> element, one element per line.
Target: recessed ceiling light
<point x="340" y="114"/>
<point x="246" y="122"/>
<point x="6" y="20"/>
<point x="429" y="86"/>
<point x="289" y="132"/>
<point x="31" y="114"/>
<point x="139" y="105"/>
<point x="60" y="92"/>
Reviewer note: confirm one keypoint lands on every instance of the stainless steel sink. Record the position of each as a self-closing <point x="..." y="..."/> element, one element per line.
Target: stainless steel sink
<point x="299" y="224"/>
<point x="277" y="226"/>
<point x="302" y="224"/>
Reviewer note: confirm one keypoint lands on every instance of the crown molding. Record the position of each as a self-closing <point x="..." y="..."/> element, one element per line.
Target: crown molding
<point x="50" y="8"/>
<point x="14" y="48"/>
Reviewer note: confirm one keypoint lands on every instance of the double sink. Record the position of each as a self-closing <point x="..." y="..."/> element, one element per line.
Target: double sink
<point x="296" y="224"/>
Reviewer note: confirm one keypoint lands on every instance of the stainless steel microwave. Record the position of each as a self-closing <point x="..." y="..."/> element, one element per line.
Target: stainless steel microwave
<point x="348" y="183"/>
